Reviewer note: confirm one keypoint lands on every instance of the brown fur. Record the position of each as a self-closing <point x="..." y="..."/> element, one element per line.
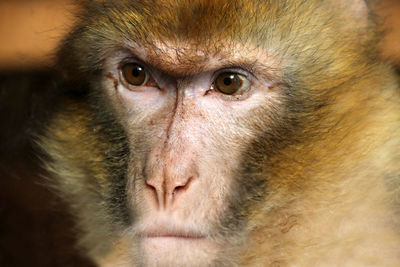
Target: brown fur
<point x="323" y="180"/>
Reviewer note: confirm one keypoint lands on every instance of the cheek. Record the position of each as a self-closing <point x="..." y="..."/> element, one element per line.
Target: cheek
<point x="141" y="106"/>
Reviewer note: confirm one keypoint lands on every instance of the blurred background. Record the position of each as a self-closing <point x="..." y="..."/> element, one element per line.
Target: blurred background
<point x="35" y="229"/>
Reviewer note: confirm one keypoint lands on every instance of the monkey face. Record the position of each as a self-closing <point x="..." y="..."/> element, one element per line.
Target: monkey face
<point x="191" y="120"/>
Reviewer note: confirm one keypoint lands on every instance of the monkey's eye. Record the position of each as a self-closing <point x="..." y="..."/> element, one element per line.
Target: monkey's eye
<point x="229" y="83"/>
<point x="134" y="74"/>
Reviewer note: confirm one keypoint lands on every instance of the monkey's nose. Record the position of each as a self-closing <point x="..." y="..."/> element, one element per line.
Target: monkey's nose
<point x="168" y="190"/>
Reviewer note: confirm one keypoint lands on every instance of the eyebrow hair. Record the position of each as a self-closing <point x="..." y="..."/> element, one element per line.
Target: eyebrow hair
<point x="252" y="67"/>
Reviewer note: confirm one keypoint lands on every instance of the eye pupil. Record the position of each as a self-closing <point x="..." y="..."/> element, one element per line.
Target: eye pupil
<point x="134" y="74"/>
<point x="228" y="80"/>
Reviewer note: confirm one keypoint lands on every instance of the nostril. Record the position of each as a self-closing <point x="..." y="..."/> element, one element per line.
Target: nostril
<point x="152" y="188"/>
<point x="178" y="189"/>
<point x="149" y="185"/>
<point x="181" y="188"/>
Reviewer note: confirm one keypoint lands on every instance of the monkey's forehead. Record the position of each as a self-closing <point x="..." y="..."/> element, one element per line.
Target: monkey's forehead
<point x="176" y="20"/>
<point x="193" y="30"/>
<point x="206" y="23"/>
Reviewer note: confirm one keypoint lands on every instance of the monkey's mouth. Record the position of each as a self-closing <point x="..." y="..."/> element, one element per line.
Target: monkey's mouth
<point x="161" y="228"/>
<point x="163" y="234"/>
<point x="166" y="235"/>
<point x="169" y="241"/>
<point x="174" y="236"/>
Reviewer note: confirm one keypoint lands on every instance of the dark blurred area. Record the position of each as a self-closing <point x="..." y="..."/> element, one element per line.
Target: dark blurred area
<point x="35" y="228"/>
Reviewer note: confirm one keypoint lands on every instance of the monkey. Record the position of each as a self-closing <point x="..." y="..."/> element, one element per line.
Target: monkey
<point x="228" y="133"/>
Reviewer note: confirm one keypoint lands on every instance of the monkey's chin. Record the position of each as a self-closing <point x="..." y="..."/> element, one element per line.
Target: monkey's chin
<point x="178" y="251"/>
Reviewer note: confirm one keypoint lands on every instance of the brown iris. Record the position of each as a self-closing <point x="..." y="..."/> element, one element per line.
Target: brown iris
<point x="228" y="83"/>
<point x="134" y="74"/>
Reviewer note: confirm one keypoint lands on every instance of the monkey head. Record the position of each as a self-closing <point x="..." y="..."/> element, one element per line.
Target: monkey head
<point x="227" y="133"/>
